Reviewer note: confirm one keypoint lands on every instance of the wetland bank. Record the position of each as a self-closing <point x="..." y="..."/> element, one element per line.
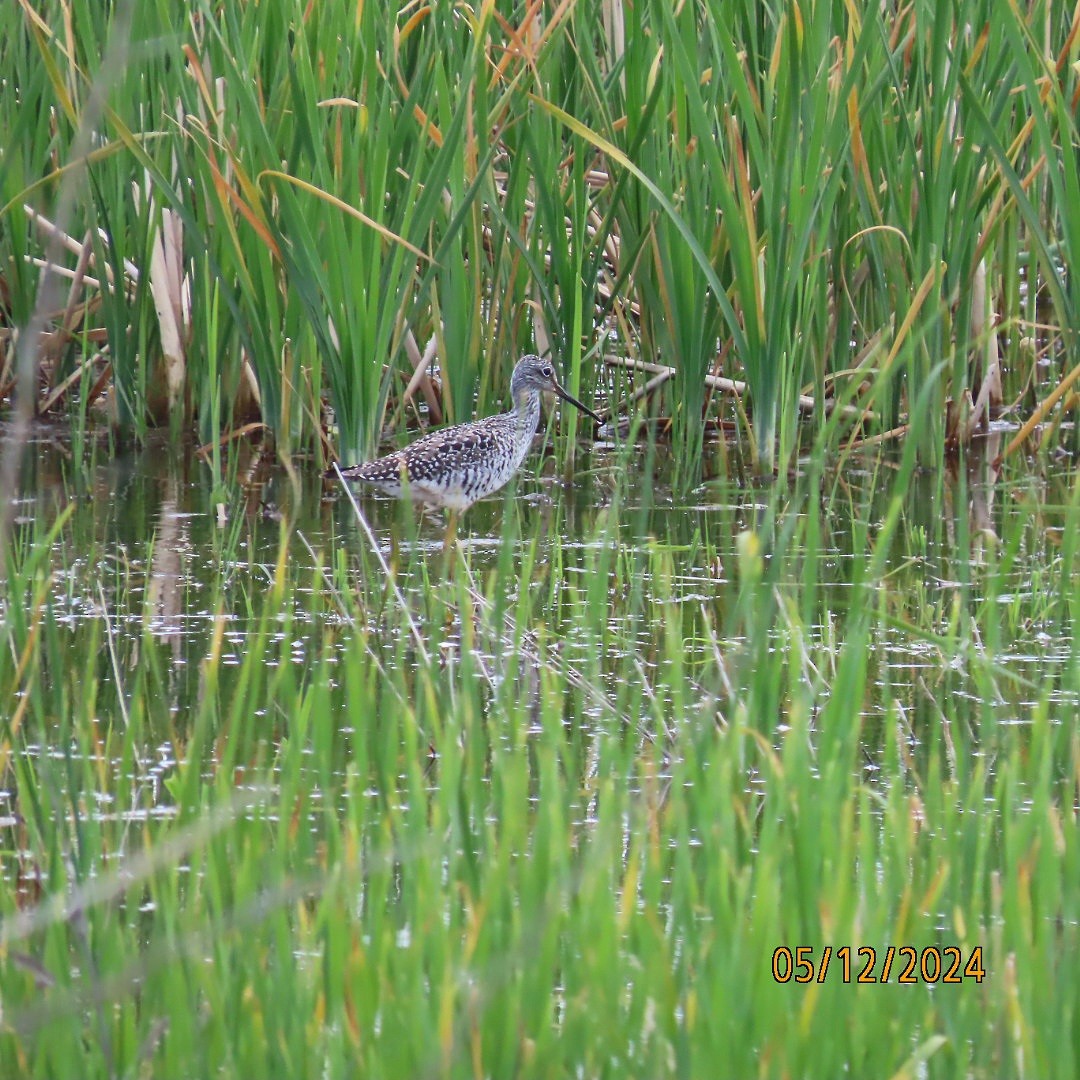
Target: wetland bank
<point x="779" y="660"/>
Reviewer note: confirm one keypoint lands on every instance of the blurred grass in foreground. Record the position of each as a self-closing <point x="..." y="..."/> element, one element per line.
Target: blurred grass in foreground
<point x="554" y="816"/>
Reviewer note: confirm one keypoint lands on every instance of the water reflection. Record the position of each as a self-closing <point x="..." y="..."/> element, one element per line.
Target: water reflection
<point x="165" y="601"/>
<point x="173" y="577"/>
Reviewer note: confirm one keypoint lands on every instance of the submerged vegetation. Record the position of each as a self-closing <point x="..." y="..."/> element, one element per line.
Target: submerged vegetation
<point x="284" y="793"/>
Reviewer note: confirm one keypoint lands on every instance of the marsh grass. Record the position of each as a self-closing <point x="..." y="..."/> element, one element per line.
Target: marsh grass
<point x="303" y="798"/>
<point x="295" y="203"/>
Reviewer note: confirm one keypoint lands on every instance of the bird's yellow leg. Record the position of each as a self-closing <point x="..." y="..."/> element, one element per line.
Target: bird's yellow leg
<point x="450" y="539"/>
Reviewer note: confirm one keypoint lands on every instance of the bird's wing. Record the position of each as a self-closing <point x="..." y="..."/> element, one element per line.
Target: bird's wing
<point x="464" y="447"/>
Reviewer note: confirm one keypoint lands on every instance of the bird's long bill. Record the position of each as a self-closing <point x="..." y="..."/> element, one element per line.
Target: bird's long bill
<point x="567" y="396"/>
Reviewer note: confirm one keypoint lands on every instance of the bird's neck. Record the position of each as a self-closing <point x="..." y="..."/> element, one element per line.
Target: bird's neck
<point x="527" y="408"/>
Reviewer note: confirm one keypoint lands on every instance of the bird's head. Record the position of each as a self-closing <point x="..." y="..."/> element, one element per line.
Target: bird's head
<point x="532" y="373"/>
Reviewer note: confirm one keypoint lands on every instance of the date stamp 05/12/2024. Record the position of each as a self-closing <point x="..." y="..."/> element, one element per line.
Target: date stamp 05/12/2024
<point x="901" y="964"/>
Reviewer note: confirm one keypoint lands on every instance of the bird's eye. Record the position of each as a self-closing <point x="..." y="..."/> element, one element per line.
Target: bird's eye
<point x="546" y="371"/>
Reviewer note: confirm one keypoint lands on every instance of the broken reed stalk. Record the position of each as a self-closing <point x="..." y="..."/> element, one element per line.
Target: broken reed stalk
<point x="735" y="387"/>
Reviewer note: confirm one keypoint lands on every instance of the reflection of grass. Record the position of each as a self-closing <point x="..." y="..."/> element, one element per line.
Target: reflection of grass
<point x="820" y="202"/>
<point x="634" y="754"/>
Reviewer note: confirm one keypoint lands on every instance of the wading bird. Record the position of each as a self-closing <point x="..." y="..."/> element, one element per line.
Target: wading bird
<point x="456" y="466"/>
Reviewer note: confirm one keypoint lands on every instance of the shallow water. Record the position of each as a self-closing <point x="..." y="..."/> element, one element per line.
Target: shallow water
<point x="148" y="568"/>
